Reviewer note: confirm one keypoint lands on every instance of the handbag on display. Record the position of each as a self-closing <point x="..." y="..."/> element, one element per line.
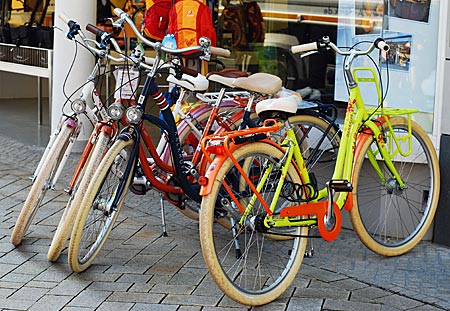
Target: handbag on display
<point x="33" y="33"/>
<point x="417" y="10"/>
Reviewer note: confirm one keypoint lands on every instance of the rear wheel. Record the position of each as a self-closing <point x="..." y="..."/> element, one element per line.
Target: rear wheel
<point x="244" y="260"/>
<point x="189" y="142"/>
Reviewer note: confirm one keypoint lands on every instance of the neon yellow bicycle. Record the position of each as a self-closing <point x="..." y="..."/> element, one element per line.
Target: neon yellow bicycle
<point x="386" y="175"/>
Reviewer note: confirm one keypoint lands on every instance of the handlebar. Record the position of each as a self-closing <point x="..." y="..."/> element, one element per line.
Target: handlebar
<point x="204" y="43"/>
<point x="104" y="38"/>
<point x="325" y="44"/>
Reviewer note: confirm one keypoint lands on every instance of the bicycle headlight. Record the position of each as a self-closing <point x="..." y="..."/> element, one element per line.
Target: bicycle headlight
<point x="133" y="115"/>
<point x="115" y="111"/>
<point x="78" y="106"/>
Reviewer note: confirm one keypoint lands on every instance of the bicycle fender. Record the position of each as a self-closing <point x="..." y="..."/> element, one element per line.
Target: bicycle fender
<point x="211" y="173"/>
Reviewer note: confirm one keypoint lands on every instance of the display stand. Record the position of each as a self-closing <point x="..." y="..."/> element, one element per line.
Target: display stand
<point x="29" y="61"/>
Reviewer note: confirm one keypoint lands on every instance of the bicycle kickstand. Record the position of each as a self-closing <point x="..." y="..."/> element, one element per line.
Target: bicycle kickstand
<point x="309" y="252"/>
<point x="163" y="216"/>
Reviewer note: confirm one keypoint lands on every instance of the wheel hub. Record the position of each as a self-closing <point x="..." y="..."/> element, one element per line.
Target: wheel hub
<point x="392" y="187"/>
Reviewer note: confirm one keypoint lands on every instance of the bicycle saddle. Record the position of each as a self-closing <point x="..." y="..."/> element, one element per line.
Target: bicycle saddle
<point x="260" y="82"/>
<point x="226" y="76"/>
<point x="194" y="84"/>
<point x="287" y="104"/>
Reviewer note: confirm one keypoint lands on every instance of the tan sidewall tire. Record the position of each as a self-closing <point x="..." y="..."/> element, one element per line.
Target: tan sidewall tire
<point x="86" y="204"/>
<point x="70" y="212"/>
<point x="355" y="218"/>
<point x="207" y="243"/>
<point x="26" y="214"/>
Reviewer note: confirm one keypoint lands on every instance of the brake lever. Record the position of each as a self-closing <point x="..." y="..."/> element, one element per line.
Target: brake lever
<point x="119" y="23"/>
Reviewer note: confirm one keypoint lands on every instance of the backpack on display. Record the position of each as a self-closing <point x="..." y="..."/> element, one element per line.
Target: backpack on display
<point x="241" y="24"/>
<point x="189" y="20"/>
<point x="255" y="23"/>
<point x="156" y="18"/>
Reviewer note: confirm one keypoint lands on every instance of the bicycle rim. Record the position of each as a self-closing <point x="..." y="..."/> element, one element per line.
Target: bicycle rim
<point x="97" y="216"/>
<point x="261" y="268"/>
<point x="390" y="220"/>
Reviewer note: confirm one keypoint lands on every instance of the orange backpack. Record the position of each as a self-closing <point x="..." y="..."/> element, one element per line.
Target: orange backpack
<point x="188" y="21"/>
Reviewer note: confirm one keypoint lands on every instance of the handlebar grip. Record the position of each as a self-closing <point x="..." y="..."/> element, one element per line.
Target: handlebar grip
<point x="118" y="11"/>
<point x="382" y="45"/>
<point x="64" y="18"/>
<point x="189" y="71"/>
<point x="219" y="51"/>
<point x="95" y="30"/>
<point x="304" y="47"/>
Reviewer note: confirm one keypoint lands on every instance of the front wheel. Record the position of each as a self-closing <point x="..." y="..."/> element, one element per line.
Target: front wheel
<point x="97" y="213"/>
<point x="389" y="219"/>
<point x="246" y="262"/>
<point x="41" y="184"/>
<point x="77" y="195"/>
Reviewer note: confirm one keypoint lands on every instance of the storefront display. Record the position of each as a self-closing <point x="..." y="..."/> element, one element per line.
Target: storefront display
<point x="412" y="33"/>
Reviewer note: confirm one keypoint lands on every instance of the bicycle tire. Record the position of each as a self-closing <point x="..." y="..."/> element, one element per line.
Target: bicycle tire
<point x="40" y="185"/>
<point x="189" y="143"/>
<point x="83" y="249"/>
<point x="319" y="155"/>
<point x="289" y="252"/>
<point x="79" y="190"/>
<point x="379" y="216"/>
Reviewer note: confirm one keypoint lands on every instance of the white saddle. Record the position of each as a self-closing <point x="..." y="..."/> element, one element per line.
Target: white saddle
<point x="288" y="104"/>
<point x="194" y="84"/>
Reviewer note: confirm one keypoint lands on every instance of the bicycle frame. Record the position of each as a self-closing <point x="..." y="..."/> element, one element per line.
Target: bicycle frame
<point x="356" y="129"/>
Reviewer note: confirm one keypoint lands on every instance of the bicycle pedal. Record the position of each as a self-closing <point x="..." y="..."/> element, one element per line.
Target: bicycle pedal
<point x="341" y="185"/>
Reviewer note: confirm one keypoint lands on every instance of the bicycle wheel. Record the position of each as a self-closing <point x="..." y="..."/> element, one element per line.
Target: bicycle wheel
<point x="189" y="142"/>
<point x="40" y="185"/>
<point x="96" y="216"/>
<point x="390" y="220"/>
<point x="247" y="265"/>
<point x="319" y="147"/>
<point x="77" y="195"/>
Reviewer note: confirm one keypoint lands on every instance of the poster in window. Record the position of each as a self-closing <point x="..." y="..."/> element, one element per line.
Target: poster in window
<point x="411" y="62"/>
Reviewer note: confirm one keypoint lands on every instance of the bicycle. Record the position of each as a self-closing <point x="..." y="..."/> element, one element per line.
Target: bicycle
<point x="128" y="157"/>
<point x="266" y="190"/>
<point x="314" y="124"/>
<point x="90" y="159"/>
<point x="128" y="147"/>
<point x="102" y="135"/>
<point x="62" y="141"/>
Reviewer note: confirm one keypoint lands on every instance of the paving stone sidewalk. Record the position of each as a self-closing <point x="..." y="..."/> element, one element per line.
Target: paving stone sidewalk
<point x="140" y="270"/>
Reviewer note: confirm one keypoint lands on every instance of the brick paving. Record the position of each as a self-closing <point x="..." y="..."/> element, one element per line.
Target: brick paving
<point x="140" y="270"/>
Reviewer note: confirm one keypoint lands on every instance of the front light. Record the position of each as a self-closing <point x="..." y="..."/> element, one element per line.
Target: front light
<point x="78" y="106"/>
<point x="133" y="115"/>
<point x="115" y="111"/>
